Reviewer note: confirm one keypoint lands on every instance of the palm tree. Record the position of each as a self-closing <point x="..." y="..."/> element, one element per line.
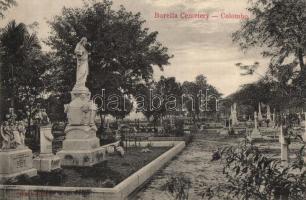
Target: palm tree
<point x="18" y="48"/>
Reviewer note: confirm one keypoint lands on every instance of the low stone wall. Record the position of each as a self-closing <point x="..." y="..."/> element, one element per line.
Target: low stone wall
<point x="166" y="138"/>
<point x="153" y="143"/>
<point x="119" y="192"/>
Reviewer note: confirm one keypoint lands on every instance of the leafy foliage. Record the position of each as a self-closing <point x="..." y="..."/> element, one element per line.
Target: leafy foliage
<point x="5" y="5"/>
<point x="192" y="90"/>
<point x="178" y="186"/>
<point x="122" y="52"/>
<point x="278" y="27"/>
<point x="22" y="67"/>
<point x="252" y="175"/>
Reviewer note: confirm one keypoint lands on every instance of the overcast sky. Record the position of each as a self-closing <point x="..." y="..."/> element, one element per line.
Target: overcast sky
<point x="199" y="46"/>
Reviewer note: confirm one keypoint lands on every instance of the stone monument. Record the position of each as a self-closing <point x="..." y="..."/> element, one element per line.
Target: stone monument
<point x="15" y="158"/>
<point x="81" y="147"/>
<point x="284" y="147"/>
<point x="234" y="114"/>
<point x="255" y="134"/>
<point x="46" y="161"/>
<point x="269" y="113"/>
<point x="260" y="118"/>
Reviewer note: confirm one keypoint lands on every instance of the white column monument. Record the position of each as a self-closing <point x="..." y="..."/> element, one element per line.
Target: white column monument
<point x="46" y="161"/>
<point x="81" y="147"/>
<point x="260" y="118"/>
<point x="284" y="148"/>
<point x="234" y="114"/>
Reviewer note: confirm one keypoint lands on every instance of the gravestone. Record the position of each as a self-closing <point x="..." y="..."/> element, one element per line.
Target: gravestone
<point x="234" y="114"/>
<point x="255" y="134"/>
<point x="269" y="113"/>
<point x="15" y="158"/>
<point x="260" y="118"/>
<point x="284" y="148"/>
<point x="46" y="161"/>
<point x="81" y="147"/>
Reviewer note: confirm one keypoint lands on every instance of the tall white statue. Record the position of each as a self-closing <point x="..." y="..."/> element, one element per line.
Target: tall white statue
<point x="82" y="63"/>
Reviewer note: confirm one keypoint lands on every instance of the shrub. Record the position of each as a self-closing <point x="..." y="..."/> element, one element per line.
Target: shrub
<point x="178" y="186"/>
<point x="252" y="175"/>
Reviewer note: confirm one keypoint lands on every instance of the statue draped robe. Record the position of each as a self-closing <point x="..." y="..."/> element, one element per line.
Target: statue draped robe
<point x="82" y="64"/>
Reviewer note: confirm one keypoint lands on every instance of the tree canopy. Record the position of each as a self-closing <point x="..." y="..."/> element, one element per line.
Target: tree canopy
<point x="5" y="5"/>
<point x="22" y="67"/>
<point x="278" y="27"/>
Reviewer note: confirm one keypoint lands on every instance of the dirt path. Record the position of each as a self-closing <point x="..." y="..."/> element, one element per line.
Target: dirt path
<point x="194" y="162"/>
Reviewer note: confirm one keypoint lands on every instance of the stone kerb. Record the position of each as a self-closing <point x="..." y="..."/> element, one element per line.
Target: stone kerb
<point x="141" y="176"/>
<point x="119" y="192"/>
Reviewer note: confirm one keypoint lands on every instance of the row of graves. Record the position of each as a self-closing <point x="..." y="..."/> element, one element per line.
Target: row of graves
<point x="261" y="123"/>
<point x="282" y="135"/>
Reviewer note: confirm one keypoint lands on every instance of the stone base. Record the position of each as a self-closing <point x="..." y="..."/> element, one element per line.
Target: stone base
<point x="224" y="132"/>
<point x="255" y="136"/>
<point x="16" y="162"/>
<point x="82" y="157"/>
<point x="47" y="163"/>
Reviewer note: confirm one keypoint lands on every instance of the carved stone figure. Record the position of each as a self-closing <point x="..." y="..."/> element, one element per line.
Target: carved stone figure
<point x="82" y="63"/>
<point x="12" y="135"/>
<point x="5" y="137"/>
<point x="22" y="130"/>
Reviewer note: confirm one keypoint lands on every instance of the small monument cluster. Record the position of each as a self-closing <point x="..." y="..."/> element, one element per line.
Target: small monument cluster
<point x="16" y="158"/>
<point x="81" y="147"/>
<point x="258" y="118"/>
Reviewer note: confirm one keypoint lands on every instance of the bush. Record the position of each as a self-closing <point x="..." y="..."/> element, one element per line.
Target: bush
<point x="178" y="186"/>
<point x="252" y="175"/>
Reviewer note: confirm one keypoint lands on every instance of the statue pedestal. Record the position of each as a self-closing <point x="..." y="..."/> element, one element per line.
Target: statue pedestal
<point x="15" y="162"/>
<point x="81" y="147"/>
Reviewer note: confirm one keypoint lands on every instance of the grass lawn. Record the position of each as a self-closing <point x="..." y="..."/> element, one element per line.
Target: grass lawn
<point x="105" y="174"/>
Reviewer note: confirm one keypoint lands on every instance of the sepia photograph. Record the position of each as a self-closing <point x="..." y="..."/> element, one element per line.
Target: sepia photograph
<point x="152" y="99"/>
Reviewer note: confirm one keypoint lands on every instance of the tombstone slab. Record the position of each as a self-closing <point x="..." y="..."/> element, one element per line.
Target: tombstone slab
<point x="46" y="161"/>
<point x="15" y="162"/>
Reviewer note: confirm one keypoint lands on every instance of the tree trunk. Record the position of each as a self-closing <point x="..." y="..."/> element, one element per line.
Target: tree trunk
<point x="301" y="62"/>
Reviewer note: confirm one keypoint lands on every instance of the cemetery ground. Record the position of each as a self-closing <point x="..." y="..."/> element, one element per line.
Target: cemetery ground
<point x="195" y="163"/>
<point x="106" y="174"/>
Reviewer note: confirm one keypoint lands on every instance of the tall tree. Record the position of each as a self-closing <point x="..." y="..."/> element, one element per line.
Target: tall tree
<point x="123" y="53"/>
<point x="22" y="65"/>
<point x="192" y="92"/>
<point x="278" y="27"/>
